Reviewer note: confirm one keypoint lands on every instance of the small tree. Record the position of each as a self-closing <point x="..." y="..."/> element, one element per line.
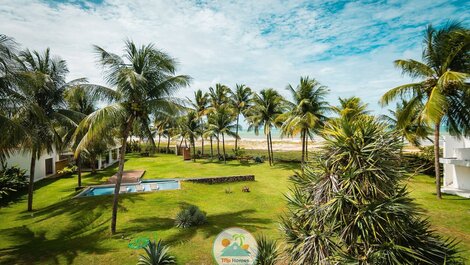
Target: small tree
<point x="352" y="208"/>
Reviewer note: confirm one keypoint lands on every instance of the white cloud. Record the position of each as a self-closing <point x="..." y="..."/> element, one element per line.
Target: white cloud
<point x="259" y="43"/>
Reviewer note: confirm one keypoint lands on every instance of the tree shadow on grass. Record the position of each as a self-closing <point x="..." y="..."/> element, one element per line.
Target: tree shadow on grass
<point x="32" y="247"/>
<point x="215" y="224"/>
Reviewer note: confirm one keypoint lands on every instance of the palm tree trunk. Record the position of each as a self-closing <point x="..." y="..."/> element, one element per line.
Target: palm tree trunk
<point x="79" y="170"/>
<point x="271" y="147"/>
<point x="117" y="187"/>
<point x="218" y="148"/>
<point x="223" y="147"/>
<point x="202" y="139"/>
<point x="31" y="180"/>
<point x="236" y="132"/>
<point x="436" y="159"/>
<point x="269" y="150"/>
<point x="212" y="148"/>
<point x="152" y="143"/>
<point x="303" y="150"/>
<point x="159" y="138"/>
<point x="194" y="149"/>
<point x="306" y="146"/>
<point x="168" y="145"/>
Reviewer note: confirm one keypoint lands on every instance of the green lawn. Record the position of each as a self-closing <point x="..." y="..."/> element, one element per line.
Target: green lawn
<point x="65" y="230"/>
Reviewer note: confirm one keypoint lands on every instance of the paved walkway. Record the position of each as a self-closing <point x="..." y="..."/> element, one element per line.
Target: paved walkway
<point x="130" y="176"/>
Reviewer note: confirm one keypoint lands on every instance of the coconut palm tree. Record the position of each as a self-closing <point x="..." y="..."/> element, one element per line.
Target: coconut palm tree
<point x="241" y="99"/>
<point x="307" y="112"/>
<point x="218" y="96"/>
<point x="38" y="105"/>
<point x="201" y="105"/>
<point x="409" y="127"/>
<point x="222" y="123"/>
<point x="350" y="108"/>
<point x="442" y="91"/>
<point x="191" y="129"/>
<point x="267" y="106"/>
<point x="352" y="207"/>
<point x="8" y="74"/>
<point x="145" y="81"/>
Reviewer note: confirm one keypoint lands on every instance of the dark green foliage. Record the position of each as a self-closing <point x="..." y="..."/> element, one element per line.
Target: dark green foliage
<point x="12" y="179"/>
<point x="268" y="251"/>
<point x="350" y="207"/>
<point x="420" y="162"/>
<point x="156" y="254"/>
<point x="259" y="159"/>
<point x="190" y="216"/>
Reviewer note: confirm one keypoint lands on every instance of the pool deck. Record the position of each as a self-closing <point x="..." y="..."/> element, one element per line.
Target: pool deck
<point x="129" y="176"/>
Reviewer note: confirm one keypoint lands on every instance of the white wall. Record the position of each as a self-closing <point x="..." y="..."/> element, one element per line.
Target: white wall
<point x="23" y="160"/>
<point x="456" y="176"/>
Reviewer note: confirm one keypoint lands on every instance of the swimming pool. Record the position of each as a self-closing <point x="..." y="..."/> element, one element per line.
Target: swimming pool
<point x="150" y="185"/>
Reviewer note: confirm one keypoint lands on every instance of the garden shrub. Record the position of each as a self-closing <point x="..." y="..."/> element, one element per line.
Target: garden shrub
<point x="12" y="179"/>
<point x="190" y="216"/>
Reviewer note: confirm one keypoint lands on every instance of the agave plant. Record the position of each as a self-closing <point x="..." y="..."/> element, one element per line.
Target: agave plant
<point x="156" y="254"/>
<point x="268" y="251"/>
<point x="190" y="216"/>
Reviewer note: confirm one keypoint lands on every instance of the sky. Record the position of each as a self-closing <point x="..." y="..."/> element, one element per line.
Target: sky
<point x="348" y="46"/>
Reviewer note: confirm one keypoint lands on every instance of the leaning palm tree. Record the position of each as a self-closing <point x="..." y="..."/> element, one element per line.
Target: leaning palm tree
<point x="307" y="114"/>
<point x="241" y="99"/>
<point x="267" y="106"/>
<point x="201" y="105"/>
<point x="442" y="90"/>
<point x="145" y="82"/>
<point x="222" y="122"/>
<point x="409" y="127"/>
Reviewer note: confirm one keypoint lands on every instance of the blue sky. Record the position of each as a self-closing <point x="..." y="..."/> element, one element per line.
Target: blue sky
<point x="347" y="46"/>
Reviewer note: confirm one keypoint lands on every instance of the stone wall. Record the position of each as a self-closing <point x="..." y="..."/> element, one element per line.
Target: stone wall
<point x="226" y="179"/>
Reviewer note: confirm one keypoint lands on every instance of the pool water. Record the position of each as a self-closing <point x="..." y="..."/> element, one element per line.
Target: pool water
<point x="145" y="186"/>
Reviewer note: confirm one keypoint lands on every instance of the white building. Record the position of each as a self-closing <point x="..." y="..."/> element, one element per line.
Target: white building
<point x="456" y="162"/>
<point x="49" y="163"/>
<point x="45" y="165"/>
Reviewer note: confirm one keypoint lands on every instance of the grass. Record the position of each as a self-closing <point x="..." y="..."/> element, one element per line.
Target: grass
<point x="76" y="231"/>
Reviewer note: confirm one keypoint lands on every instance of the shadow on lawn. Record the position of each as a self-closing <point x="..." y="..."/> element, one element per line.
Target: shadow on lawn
<point x="32" y="247"/>
<point x="215" y="224"/>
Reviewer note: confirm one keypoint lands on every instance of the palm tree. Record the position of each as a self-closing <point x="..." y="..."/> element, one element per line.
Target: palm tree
<point x="241" y="99"/>
<point x="307" y="113"/>
<point x="409" y="127"/>
<point x="8" y="74"/>
<point x="222" y="122"/>
<point x="191" y="129"/>
<point x="350" y="108"/>
<point x="442" y="90"/>
<point x="201" y="105"/>
<point x="38" y="105"/>
<point x="267" y="106"/>
<point x="218" y="96"/>
<point x="145" y="82"/>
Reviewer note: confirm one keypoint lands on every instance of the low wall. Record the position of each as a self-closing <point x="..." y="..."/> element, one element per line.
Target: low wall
<point x="226" y="179"/>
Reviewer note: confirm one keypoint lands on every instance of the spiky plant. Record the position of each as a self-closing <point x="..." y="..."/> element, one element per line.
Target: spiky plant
<point x="350" y="207"/>
<point x="268" y="251"/>
<point x="156" y="254"/>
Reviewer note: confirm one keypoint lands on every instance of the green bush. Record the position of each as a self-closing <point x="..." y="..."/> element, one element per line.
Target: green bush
<point x="190" y="216"/>
<point x="12" y="179"/>
<point x="420" y="162"/>
<point x="156" y="254"/>
<point x="268" y="251"/>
